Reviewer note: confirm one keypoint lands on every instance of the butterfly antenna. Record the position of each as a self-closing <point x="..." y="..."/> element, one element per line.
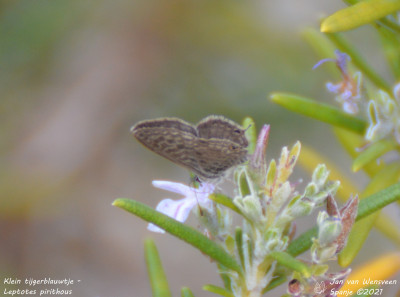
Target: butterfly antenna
<point x="248" y="127"/>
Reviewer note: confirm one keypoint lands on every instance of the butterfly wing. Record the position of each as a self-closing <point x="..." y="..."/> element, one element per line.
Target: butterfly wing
<point x="171" y="139"/>
<point x="215" y="145"/>
<point x="221" y="128"/>
<point x="162" y="123"/>
<point x="215" y="156"/>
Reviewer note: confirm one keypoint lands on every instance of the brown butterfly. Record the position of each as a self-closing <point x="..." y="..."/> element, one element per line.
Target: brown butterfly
<point x="208" y="149"/>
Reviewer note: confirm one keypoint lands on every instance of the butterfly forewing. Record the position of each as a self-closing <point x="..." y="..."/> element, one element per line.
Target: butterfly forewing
<point x="162" y="123"/>
<point x="175" y="145"/>
<point x="221" y="128"/>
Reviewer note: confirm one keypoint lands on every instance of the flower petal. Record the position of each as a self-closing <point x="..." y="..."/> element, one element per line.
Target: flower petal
<point x="177" y="209"/>
<point x="350" y="107"/>
<point x="258" y="157"/>
<point x="153" y="228"/>
<point x="180" y="209"/>
<point x="341" y="61"/>
<point x="323" y="61"/>
<point x="333" y="88"/>
<point x="173" y="187"/>
<point x="201" y="193"/>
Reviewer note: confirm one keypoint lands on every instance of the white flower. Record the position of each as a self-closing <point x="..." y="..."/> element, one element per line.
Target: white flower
<point x="180" y="209"/>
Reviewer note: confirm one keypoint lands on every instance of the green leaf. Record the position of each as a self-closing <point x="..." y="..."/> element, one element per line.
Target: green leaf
<point x="366" y="207"/>
<point x="224" y="274"/>
<point x="239" y="244"/>
<point x="271" y="173"/>
<point x="320" y="111"/>
<point x="391" y="48"/>
<point x="351" y="2"/>
<point x="217" y="290"/>
<point x="158" y="280"/>
<point x="251" y="133"/>
<point x="243" y="184"/>
<point x="302" y="243"/>
<point x="186" y="292"/>
<point x="287" y="260"/>
<point x="372" y="153"/>
<point x="392" y="25"/>
<point x="359" y="61"/>
<point x="225" y="201"/>
<point x="378" y="200"/>
<point x="359" y="14"/>
<point x="186" y="233"/>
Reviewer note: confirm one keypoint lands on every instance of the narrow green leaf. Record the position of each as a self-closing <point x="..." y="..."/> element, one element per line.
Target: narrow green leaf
<point x="289" y="261"/>
<point x="356" y="58"/>
<point x="251" y="133"/>
<point x="359" y="14"/>
<point x="271" y="173"/>
<point x="391" y="47"/>
<point x="182" y="231"/>
<point x="158" y="280"/>
<point x="320" y="111"/>
<point x="243" y="185"/>
<point x="217" y="290"/>
<point x="372" y="153"/>
<point x="378" y="201"/>
<point x="366" y="207"/>
<point x="389" y="24"/>
<point x="352" y="2"/>
<point x="186" y="292"/>
<point x="224" y="274"/>
<point x="249" y="244"/>
<point x="302" y="243"/>
<point x="239" y="244"/>
<point x="225" y="201"/>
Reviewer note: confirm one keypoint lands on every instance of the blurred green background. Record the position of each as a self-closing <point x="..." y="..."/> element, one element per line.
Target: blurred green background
<point x="75" y="75"/>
